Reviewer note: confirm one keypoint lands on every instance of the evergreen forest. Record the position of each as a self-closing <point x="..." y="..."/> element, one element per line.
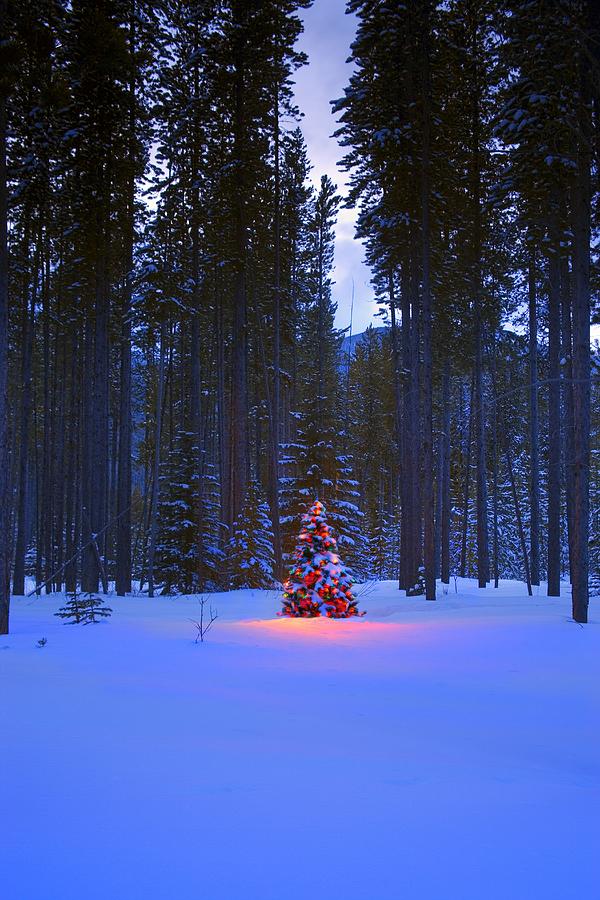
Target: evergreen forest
<point x="176" y="389"/>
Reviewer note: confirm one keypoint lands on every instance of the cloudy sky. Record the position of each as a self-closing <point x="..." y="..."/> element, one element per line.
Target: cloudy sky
<point x="328" y="33"/>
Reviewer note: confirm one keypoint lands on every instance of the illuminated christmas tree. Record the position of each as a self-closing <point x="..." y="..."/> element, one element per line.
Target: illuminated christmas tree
<point x="319" y="584"/>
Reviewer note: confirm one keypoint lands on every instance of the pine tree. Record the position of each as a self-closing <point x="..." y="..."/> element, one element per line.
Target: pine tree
<point x="180" y="568"/>
<point x="176" y="558"/>
<point x="319" y="584"/>
<point x="251" y="560"/>
<point x="384" y="546"/>
<point x="250" y="557"/>
<point x="83" y="609"/>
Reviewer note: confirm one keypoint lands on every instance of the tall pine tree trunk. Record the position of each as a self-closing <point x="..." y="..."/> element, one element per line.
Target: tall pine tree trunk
<point x="467" y="483"/>
<point x="567" y="402"/>
<point x="45" y="521"/>
<point x="61" y="474"/>
<point x="100" y="407"/>
<point x="27" y="326"/>
<point x="414" y="428"/>
<point x="581" y="353"/>
<point x="495" y="533"/>
<point x="89" y="568"/>
<point x="480" y="445"/>
<point x="395" y="360"/>
<point x="4" y="454"/>
<point x="445" y="481"/>
<point x="72" y="487"/>
<point x="554" y="420"/>
<point x="160" y="393"/>
<point x="123" y="504"/>
<point x="276" y="401"/>
<point x="428" y="480"/>
<point x="123" y="496"/>
<point x="195" y="374"/>
<point x="222" y="422"/>
<point x="239" y="461"/>
<point x="406" y="579"/>
<point x="477" y="288"/>
<point x="534" y="484"/>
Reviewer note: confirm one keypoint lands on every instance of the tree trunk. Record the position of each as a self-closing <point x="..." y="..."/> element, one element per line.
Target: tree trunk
<point x="467" y="484"/>
<point x="160" y="391"/>
<point x="426" y="316"/>
<point x="397" y="408"/>
<point x="98" y="511"/>
<point x="72" y="487"/>
<point x="581" y="354"/>
<point x="567" y="400"/>
<point x="482" y="524"/>
<point x="239" y="461"/>
<point x="45" y="539"/>
<point x="395" y="361"/>
<point x="89" y="571"/>
<point x="27" y="327"/>
<point x="4" y="453"/>
<point x="222" y="423"/>
<point x="534" y="485"/>
<point x="445" y="482"/>
<point x="554" y="422"/>
<point x="123" y="504"/>
<point x="195" y="374"/>
<point x="495" y="473"/>
<point x="406" y="521"/>
<point x="123" y="507"/>
<point x="60" y="476"/>
<point x="276" y="403"/>
<point x="416" y="544"/>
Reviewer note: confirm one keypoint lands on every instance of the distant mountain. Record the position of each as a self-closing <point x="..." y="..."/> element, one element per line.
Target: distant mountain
<point x="349" y="344"/>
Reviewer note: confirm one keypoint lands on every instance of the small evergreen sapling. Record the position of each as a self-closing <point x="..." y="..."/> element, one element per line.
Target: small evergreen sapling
<point x="419" y="588"/>
<point x="319" y="584"/>
<point x="83" y="609"/>
<point x="251" y="559"/>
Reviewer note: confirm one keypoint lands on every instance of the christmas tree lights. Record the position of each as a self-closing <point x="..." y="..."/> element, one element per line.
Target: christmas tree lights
<point x="319" y="584"/>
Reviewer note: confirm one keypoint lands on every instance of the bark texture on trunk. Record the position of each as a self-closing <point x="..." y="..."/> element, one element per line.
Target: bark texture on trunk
<point x="4" y="453"/>
<point x="534" y="483"/>
<point x="581" y="198"/>
<point x="445" y="482"/>
<point x="27" y="328"/>
<point x="426" y="316"/>
<point x="238" y="442"/>
<point x="554" y="425"/>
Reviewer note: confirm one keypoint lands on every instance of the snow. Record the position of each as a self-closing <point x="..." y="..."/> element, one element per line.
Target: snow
<point x="430" y="750"/>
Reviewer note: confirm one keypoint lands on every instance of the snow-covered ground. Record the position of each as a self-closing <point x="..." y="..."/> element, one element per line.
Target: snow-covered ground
<point x="447" y="751"/>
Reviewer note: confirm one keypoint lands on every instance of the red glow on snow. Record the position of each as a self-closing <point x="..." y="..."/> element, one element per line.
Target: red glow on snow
<point x="321" y="628"/>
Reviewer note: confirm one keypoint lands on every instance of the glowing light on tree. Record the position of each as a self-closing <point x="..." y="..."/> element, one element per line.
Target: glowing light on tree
<point x="319" y="584"/>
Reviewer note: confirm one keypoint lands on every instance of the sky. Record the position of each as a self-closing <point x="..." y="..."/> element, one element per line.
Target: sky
<point x="328" y="33"/>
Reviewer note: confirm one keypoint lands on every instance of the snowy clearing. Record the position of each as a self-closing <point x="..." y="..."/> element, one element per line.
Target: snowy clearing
<point x="445" y="750"/>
